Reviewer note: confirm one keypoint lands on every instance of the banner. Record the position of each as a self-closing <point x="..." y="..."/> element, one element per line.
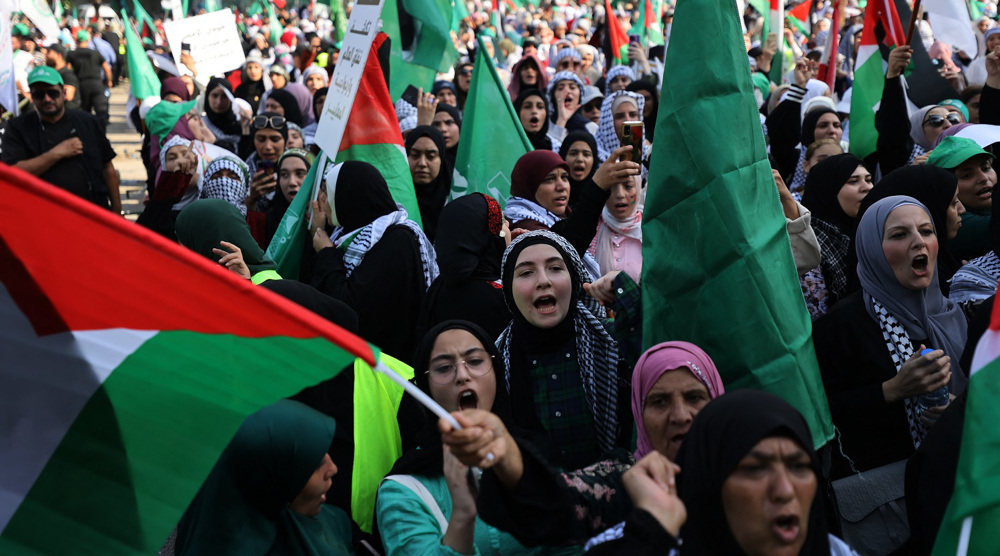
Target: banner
<point x="361" y="30"/>
<point x="8" y="85"/>
<point x="213" y="40"/>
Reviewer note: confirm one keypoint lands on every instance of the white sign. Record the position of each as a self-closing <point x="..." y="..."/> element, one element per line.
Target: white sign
<point x="8" y="85"/>
<point x="983" y="135"/>
<point x="213" y="41"/>
<point x="39" y="12"/>
<point x="361" y="29"/>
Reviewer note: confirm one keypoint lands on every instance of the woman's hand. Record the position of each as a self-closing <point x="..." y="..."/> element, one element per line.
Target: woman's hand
<point x="603" y="289"/>
<point x="651" y="485"/>
<point x="615" y="171"/>
<point x="426" y="105"/>
<point x="564" y="109"/>
<point x="260" y="185"/>
<point x="788" y="204"/>
<point x="484" y="442"/>
<point x="920" y="374"/>
<point x="805" y="70"/>
<point x="320" y="240"/>
<point x="232" y="259"/>
<point x="463" y="501"/>
<point x="188" y="61"/>
<point x="899" y="59"/>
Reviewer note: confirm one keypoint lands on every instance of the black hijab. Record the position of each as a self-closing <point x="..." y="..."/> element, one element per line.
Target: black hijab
<point x="289" y="103"/>
<point x="457" y="116"/>
<point x="361" y="195"/>
<point x="809" y="124"/>
<point x="824" y="182"/>
<point x="431" y="197"/>
<point x="649" y="122"/>
<point x="225" y="121"/>
<point x="469" y="246"/>
<point x="426" y="458"/>
<point x="539" y="140"/>
<point x="722" y="434"/>
<point x="321" y="92"/>
<point x="251" y="91"/>
<point x="935" y="188"/>
<point x="331" y="309"/>
<point x="575" y="187"/>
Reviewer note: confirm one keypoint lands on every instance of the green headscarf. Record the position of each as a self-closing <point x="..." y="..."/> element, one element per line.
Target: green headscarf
<point x="243" y="506"/>
<point x="204" y="223"/>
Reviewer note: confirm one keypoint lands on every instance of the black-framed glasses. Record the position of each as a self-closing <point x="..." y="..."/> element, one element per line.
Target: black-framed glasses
<point x="478" y="364"/>
<point x="268" y="122"/>
<point x="39" y="94"/>
<point x="937" y="120"/>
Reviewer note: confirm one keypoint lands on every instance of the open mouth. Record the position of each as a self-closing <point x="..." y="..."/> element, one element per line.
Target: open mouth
<point x="545" y="305"/>
<point x="786" y="527"/>
<point x="920" y="264"/>
<point x="621" y="206"/>
<point x="533" y="120"/>
<point x="560" y="200"/>
<point x="292" y="192"/>
<point x="985" y="193"/>
<point x="468" y="399"/>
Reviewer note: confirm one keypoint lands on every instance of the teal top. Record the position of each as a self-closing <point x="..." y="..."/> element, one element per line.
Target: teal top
<point x="407" y="526"/>
<point x="973" y="239"/>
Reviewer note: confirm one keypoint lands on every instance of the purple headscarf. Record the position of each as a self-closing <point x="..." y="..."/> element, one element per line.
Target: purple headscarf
<point x="658" y="360"/>
<point x="305" y="101"/>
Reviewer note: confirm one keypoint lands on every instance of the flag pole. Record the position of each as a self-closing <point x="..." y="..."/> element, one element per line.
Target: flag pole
<point x="917" y="9"/>
<point x="419" y="394"/>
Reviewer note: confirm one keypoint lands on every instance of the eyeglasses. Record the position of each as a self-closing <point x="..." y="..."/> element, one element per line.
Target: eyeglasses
<point x="265" y="122"/>
<point x="477" y="365"/>
<point x="51" y="93"/>
<point x="465" y="71"/>
<point x="937" y="120"/>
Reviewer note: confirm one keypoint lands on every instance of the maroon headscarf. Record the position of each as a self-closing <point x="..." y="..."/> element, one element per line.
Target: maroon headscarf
<point x="531" y="169"/>
<point x="177" y="86"/>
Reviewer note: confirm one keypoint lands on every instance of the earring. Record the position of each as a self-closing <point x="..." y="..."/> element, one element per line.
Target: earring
<point x="503" y="233"/>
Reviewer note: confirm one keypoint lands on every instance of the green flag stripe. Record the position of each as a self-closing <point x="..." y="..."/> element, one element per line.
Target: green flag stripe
<point x="147" y="420"/>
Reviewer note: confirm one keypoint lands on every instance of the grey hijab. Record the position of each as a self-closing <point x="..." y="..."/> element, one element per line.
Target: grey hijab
<point x="917" y="127"/>
<point x="924" y="314"/>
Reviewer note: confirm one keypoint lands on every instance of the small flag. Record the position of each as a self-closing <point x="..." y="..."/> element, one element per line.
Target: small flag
<point x="617" y="37"/>
<point x="869" y="78"/>
<point x="141" y="75"/>
<point x="740" y="263"/>
<point x="647" y="26"/>
<point x="115" y="406"/>
<point x="489" y="121"/>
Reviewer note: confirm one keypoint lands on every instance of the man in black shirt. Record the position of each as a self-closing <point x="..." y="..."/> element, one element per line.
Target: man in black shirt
<point x="87" y="64"/>
<point x="55" y="57"/>
<point x="67" y="148"/>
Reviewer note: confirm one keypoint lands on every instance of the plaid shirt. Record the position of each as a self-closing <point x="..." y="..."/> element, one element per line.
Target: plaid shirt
<point x="557" y="389"/>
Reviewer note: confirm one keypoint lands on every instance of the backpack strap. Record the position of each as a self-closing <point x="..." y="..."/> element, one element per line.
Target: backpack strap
<point x="418" y="488"/>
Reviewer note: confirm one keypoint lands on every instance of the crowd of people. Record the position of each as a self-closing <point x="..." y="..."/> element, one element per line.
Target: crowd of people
<point x="525" y="320"/>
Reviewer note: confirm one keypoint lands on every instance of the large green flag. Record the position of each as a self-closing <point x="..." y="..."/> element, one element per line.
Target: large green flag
<point x="431" y="44"/>
<point x="718" y="268"/>
<point x="292" y="234"/>
<point x="141" y="16"/>
<point x="141" y="75"/>
<point x="492" y="137"/>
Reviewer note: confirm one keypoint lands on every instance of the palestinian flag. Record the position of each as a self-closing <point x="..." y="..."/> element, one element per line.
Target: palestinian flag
<point x="372" y="135"/>
<point x="741" y="265"/>
<point x="869" y="77"/>
<point x="973" y="515"/>
<point x="489" y="122"/>
<point x="617" y="37"/>
<point x="828" y="64"/>
<point x="127" y="362"/>
<point x="648" y="25"/>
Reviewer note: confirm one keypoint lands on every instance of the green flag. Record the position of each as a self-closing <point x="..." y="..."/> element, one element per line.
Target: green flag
<point x="403" y="73"/>
<point x="58" y="10"/>
<point x="718" y="268"/>
<point x="492" y="137"/>
<point x="430" y="45"/>
<point x="647" y="26"/>
<point x="339" y="18"/>
<point x="273" y="23"/>
<point x="292" y="234"/>
<point x="141" y="17"/>
<point x="212" y="6"/>
<point x="141" y="75"/>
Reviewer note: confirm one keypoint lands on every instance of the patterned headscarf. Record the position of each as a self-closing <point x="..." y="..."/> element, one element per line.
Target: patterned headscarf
<point x="615" y="72"/>
<point x="233" y="191"/>
<point x="607" y="138"/>
<point x="551" y="88"/>
<point x="173" y="141"/>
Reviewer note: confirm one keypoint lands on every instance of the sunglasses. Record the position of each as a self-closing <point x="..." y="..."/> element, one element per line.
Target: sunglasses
<point x="466" y="71"/>
<point x="51" y="93"/>
<point x="937" y="120"/>
<point x="265" y="122"/>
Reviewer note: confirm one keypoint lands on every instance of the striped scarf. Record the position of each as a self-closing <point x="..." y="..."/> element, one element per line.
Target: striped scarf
<point x="357" y="244"/>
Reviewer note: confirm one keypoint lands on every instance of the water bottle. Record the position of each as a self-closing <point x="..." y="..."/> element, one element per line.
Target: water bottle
<point x="936" y="398"/>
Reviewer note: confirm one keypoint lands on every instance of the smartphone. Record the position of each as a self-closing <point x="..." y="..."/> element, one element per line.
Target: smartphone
<point x="186" y="47"/>
<point x="632" y="135"/>
<point x="634" y="38"/>
<point x="411" y="95"/>
<point x="267" y="166"/>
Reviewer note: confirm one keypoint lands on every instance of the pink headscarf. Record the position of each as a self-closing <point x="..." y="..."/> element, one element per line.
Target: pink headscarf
<point x="658" y="360"/>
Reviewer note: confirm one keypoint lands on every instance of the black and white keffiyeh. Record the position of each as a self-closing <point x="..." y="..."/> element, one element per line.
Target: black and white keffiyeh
<point x="607" y="137"/>
<point x="519" y="208"/>
<point x="834" y="248"/>
<point x="596" y="349"/>
<point x="357" y="244"/>
<point x="976" y="281"/>
<point x="900" y="349"/>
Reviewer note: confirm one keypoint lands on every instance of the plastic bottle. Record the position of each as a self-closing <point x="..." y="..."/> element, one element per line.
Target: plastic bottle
<point x="936" y="398"/>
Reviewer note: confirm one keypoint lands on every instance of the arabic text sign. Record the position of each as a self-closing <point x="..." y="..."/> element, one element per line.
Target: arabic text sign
<point x="214" y="42"/>
<point x="361" y="30"/>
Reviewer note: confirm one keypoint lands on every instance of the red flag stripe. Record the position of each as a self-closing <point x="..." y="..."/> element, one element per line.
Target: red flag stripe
<point x="81" y="267"/>
<point x="373" y="116"/>
<point x="618" y="36"/>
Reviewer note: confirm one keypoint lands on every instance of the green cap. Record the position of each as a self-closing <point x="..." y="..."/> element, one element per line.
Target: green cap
<point x="44" y="74"/>
<point x="161" y="119"/>
<point x="953" y="151"/>
<point x="957" y="104"/>
<point x="83" y="36"/>
<point x="20" y="30"/>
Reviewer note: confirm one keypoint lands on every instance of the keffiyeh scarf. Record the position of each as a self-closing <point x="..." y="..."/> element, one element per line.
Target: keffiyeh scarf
<point x="897" y="341"/>
<point x="357" y="244"/>
<point x="834" y="247"/>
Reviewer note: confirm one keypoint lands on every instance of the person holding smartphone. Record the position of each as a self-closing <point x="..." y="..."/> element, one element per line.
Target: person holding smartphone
<point x="269" y="132"/>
